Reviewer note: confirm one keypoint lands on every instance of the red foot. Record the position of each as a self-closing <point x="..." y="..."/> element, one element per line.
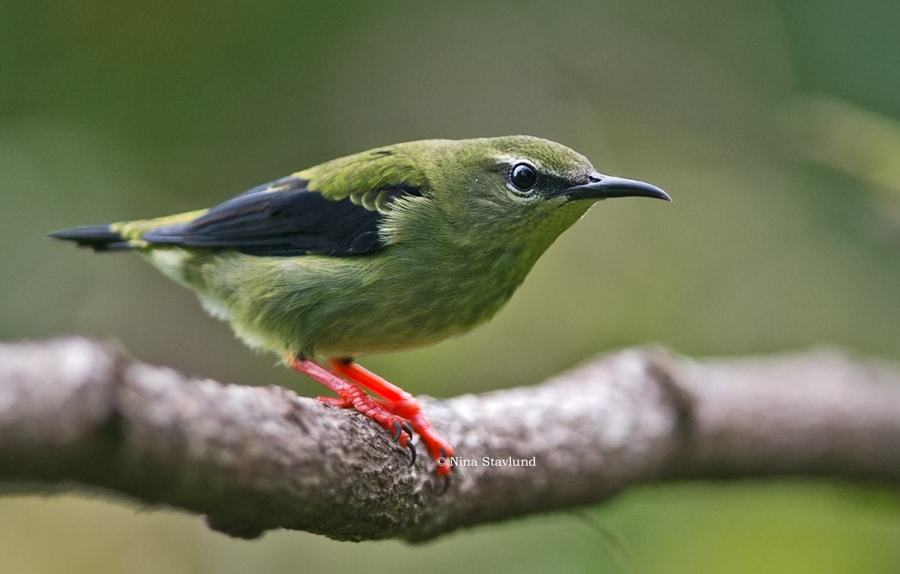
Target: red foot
<point x="399" y="412"/>
<point x="350" y="396"/>
<point x="402" y="404"/>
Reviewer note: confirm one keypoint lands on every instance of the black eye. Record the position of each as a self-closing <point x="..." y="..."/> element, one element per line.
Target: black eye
<point x="523" y="176"/>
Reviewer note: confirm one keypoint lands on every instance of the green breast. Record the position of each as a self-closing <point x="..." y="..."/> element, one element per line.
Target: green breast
<point x="395" y="299"/>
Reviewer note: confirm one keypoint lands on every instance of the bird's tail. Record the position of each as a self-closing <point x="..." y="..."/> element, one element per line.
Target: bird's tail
<point x="97" y="237"/>
<point x="124" y="235"/>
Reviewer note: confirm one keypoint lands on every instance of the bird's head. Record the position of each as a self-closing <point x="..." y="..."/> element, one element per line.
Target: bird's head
<point x="501" y="188"/>
<point x="512" y="193"/>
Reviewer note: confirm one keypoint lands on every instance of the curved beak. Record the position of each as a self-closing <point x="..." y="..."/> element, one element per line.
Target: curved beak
<point x="601" y="186"/>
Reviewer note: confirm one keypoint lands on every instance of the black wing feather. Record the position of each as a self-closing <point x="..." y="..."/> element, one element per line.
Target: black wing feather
<point x="284" y="218"/>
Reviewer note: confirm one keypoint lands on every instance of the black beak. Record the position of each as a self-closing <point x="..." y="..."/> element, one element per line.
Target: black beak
<point x="601" y="186"/>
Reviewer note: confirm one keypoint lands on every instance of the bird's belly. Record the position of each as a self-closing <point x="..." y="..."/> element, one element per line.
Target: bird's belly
<point x="350" y="306"/>
<point x="363" y="339"/>
<point x="388" y="325"/>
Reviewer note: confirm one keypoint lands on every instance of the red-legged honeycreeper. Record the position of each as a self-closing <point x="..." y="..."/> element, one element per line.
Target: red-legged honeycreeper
<point x="396" y="247"/>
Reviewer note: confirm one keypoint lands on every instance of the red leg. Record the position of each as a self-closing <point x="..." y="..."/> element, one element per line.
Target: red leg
<point x="402" y="404"/>
<point x="351" y="396"/>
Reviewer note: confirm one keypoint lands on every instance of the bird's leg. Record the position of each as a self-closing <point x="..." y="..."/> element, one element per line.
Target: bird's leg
<point x="400" y="403"/>
<point x="351" y="396"/>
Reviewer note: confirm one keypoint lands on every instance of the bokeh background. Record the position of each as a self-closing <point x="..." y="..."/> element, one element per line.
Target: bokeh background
<point x="772" y="123"/>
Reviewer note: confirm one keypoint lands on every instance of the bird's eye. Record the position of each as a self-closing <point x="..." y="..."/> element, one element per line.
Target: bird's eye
<point x="523" y="176"/>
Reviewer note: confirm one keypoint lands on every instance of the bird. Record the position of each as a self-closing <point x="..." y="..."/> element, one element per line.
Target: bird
<point x="393" y="248"/>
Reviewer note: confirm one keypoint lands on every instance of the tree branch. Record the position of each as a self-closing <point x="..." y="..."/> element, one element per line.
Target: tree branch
<point x="252" y="458"/>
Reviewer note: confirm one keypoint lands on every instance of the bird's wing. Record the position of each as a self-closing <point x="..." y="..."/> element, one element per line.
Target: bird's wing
<point x="286" y="218"/>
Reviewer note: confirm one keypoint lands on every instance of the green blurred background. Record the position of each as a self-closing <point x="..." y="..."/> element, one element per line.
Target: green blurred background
<point x="769" y="122"/>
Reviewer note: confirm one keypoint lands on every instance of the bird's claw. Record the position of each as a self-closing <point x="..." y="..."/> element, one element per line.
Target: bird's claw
<point x="408" y="429"/>
<point x="412" y="453"/>
<point x="399" y="429"/>
<point x="410" y="445"/>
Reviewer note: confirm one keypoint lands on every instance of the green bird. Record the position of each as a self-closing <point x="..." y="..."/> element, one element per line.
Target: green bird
<point x="397" y="247"/>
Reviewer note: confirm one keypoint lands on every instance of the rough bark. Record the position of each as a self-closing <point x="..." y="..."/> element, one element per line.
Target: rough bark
<point x="82" y="414"/>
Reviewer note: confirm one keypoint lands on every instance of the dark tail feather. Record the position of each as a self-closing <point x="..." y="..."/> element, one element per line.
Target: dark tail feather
<point x="97" y="237"/>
